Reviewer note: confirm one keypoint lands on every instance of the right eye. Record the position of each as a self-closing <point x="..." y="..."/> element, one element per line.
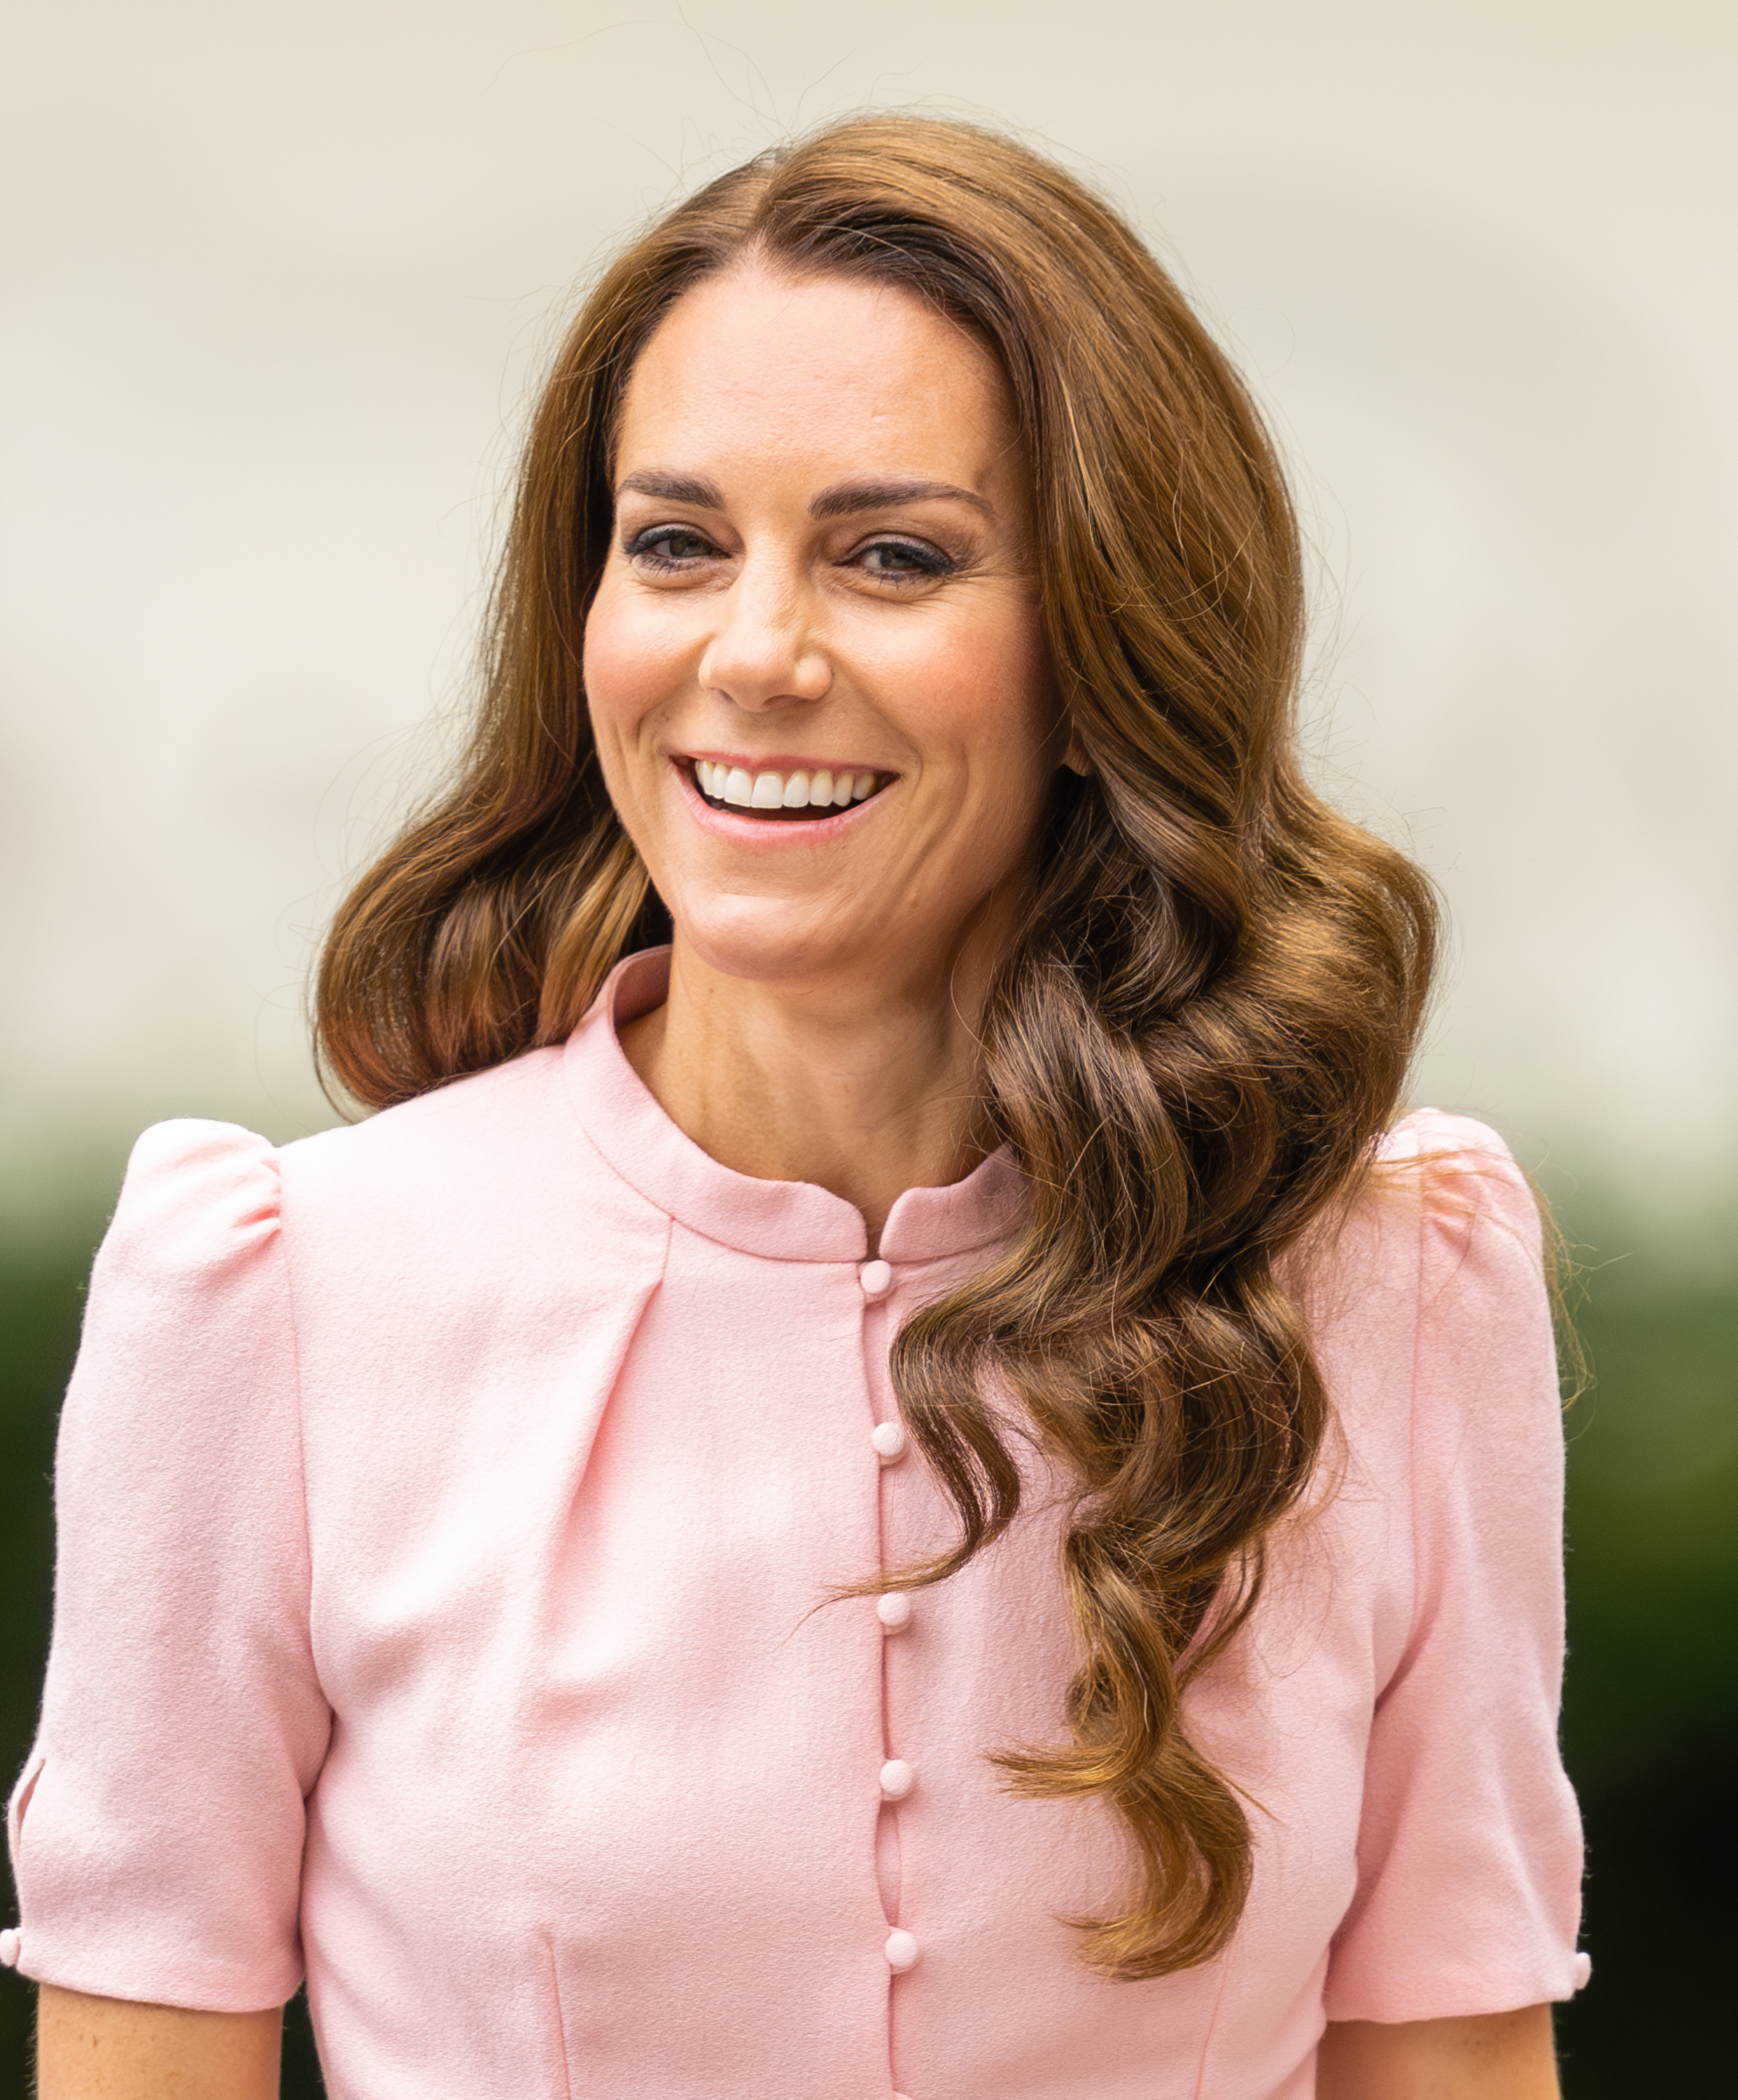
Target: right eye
<point x="669" y="546"/>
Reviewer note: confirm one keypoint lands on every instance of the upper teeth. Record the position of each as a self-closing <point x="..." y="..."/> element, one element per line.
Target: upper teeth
<point x="781" y="791"/>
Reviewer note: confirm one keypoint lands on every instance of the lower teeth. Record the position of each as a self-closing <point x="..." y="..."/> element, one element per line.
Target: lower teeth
<point x="810" y="813"/>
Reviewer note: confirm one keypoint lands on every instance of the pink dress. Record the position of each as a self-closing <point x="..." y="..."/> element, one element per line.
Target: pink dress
<point x="449" y="1509"/>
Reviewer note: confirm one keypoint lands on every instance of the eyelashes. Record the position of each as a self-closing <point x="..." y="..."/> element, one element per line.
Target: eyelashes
<point x="673" y="549"/>
<point x="926" y="561"/>
<point x="644" y="546"/>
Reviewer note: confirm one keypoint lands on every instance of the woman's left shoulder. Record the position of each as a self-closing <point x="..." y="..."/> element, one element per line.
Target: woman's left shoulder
<point x="1463" y="1190"/>
<point x="1427" y="1133"/>
<point x="1436" y="1188"/>
<point x="1431" y="1275"/>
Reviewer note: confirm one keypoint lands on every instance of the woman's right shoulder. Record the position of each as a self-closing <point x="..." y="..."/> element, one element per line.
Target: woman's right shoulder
<point x="406" y="1221"/>
<point x="198" y="1192"/>
<point x="187" y="1337"/>
<point x="197" y="1197"/>
<point x="432" y="1168"/>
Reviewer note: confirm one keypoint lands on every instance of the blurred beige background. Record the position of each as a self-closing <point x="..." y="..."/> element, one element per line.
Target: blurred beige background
<point x="278" y="280"/>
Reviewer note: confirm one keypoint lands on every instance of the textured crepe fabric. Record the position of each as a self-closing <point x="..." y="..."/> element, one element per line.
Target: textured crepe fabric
<point x="450" y="1511"/>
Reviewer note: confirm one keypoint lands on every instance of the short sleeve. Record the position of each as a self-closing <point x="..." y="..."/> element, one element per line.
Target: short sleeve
<point x="1468" y="1895"/>
<point x="157" y="1830"/>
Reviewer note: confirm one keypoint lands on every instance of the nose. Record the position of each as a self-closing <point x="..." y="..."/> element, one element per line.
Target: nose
<point x="765" y="653"/>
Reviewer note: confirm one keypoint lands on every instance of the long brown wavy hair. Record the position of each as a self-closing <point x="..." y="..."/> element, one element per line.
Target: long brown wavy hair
<point x="1197" y="1036"/>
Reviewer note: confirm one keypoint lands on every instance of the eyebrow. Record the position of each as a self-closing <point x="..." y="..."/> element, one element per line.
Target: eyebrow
<point x="846" y="501"/>
<point x="671" y="488"/>
<point x="851" y="496"/>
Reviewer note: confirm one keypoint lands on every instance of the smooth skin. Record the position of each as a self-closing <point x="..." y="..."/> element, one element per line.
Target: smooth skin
<point x="109" y="2048"/>
<point x="1494" y="2056"/>
<point x="822" y="558"/>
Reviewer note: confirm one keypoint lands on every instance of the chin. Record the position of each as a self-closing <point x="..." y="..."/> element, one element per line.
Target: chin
<point x="774" y="940"/>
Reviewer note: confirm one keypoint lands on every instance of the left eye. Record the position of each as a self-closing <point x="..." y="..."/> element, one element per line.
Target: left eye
<point x="903" y="558"/>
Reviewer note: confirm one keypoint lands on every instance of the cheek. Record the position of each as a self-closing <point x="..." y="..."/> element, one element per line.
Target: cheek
<point x="623" y="688"/>
<point x="993" y="689"/>
<point x="625" y="660"/>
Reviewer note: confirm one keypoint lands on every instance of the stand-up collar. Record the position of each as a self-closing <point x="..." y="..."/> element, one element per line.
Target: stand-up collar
<point x="785" y="1220"/>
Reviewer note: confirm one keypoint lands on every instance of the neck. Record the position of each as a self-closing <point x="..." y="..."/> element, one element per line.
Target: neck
<point x="865" y="1089"/>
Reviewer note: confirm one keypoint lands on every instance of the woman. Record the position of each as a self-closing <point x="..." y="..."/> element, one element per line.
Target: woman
<point x="911" y="1496"/>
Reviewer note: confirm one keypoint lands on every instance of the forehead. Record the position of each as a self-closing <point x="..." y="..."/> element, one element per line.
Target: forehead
<point x="856" y="376"/>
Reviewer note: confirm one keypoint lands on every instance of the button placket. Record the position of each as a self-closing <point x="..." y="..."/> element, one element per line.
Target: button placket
<point x="890" y="1441"/>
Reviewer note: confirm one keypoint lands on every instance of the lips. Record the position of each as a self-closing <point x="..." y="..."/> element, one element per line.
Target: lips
<point x="802" y="793"/>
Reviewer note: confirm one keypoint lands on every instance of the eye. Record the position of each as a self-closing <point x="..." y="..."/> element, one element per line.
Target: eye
<point x="904" y="560"/>
<point x="669" y="547"/>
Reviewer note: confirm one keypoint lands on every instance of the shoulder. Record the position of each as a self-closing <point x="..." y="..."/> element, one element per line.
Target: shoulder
<point x="480" y="1186"/>
<point x="1461" y="1187"/>
<point x="475" y="1152"/>
<point x="1430" y="1276"/>
<point x="198" y="1198"/>
<point x="192" y="1175"/>
<point x="504" y="1113"/>
<point x="187" y="1334"/>
<point x="1433" y="1185"/>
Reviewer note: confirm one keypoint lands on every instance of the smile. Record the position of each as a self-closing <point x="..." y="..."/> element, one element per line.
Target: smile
<point x="800" y="795"/>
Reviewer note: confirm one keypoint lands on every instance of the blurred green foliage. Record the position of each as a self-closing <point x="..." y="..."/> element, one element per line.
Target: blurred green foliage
<point x="1651" y="1714"/>
<point x="1651" y="1705"/>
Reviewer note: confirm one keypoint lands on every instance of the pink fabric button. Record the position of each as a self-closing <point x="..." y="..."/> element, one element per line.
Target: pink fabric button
<point x="893" y="1610"/>
<point x="901" y="1953"/>
<point x="897" y="1779"/>
<point x="876" y="1278"/>
<point x="1583" y="1970"/>
<point x="889" y="1440"/>
<point x="8" y="1948"/>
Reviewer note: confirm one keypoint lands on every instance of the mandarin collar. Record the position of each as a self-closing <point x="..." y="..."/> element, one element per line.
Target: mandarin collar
<point x="782" y="1221"/>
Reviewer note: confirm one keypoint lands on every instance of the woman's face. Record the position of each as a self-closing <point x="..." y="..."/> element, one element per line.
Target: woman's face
<point x="813" y="663"/>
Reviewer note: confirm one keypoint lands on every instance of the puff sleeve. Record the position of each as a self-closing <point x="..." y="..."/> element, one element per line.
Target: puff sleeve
<point x="1469" y="1842"/>
<point x="157" y="1829"/>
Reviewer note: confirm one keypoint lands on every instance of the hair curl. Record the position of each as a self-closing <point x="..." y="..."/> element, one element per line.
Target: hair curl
<point x="1201" y="1028"/>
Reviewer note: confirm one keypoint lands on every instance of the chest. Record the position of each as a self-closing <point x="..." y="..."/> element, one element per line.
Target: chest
<point x="576" y="1563"/>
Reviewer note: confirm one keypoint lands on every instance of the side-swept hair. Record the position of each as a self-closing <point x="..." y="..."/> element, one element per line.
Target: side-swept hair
<point x="1199" y="1032"/>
